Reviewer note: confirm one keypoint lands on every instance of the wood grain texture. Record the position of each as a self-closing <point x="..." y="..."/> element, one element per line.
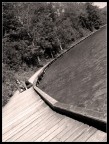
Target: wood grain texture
<point x="34" y="121"/>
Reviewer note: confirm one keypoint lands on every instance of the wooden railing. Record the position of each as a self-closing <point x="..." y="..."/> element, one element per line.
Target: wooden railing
<point x="74" y="112"/>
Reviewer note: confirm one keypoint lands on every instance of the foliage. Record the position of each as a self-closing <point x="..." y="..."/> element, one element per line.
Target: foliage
<point x="33" y="32"/>
<point x="47" y="27"/>
<point x="93" y="15"/>
<point x="10" y="21"/>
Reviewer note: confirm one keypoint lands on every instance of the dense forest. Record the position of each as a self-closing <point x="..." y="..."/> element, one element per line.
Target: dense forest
<point x="34" y="32"/>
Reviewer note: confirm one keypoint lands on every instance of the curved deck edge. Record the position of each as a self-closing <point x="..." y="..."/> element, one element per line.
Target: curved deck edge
<point x="71" y="111"/>
<point x="77" y="113"/>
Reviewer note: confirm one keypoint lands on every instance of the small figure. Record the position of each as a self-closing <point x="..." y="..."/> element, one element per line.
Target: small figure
<point x="23" y="85"/>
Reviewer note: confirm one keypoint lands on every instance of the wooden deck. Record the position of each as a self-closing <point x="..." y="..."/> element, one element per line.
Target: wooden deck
<point x="27" y="118"/>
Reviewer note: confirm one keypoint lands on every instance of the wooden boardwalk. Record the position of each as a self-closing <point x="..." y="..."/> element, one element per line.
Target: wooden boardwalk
<point x="27" y="118"/>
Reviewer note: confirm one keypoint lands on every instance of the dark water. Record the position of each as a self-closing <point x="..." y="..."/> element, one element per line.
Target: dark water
<point x="79" y="77"/>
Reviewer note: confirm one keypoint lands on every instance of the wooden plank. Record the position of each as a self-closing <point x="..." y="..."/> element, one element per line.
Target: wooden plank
<point x="18" y="103"/>
<point x="48" y="132"/>
<point x="20" y="109"/>
<point x="6" y="121"/>
<point x="55" y="139"/>
<point x="26" y="94"/>
<point x="30" y="93"/>
<point x="104" y="139"/>
<point x="46" y="96"/>
<point x="47" y="127"/>
<point x="37" y="122"/>
<point x="28" y="136"/>
<point x="43" y="121"/>
<point x="68" y="128"/>
<point x="30" y="127"/>
<point x="35" y="75"/>
<point x="51" y="132"/>
<point x="14" y="116"/>
<point x="36" y="131"/>
<point x="69" y="125"/>
<point x="89" y="132"/>
<point x="25" y="121"/>
<point x="98" y="136"/>
<point x="24" y="102"/>
<point x="70" y="132"/>
<point x="18" y="118"/>
<point x="36" y="112"/>
<point x="56" y="131"/>
<point x="22" y="131"/>
<point x="77" y="133"/>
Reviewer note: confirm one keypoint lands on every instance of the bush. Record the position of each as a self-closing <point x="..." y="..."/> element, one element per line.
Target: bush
<point x="13" y="52"/>
<point x="8" y="84"/>
<point x="96" y="26"/>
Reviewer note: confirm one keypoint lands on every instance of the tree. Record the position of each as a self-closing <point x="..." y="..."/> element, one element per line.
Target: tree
<point x="47" y="27"/>
<point x="93" y="15"/>
<point x="10" y="20"/>
<point x="103" y="15"/>
<point x="12" y="53"/>
<point x="43" y="22"/>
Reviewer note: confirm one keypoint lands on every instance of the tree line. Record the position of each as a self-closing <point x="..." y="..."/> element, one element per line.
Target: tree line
<point x="40" y="30"/>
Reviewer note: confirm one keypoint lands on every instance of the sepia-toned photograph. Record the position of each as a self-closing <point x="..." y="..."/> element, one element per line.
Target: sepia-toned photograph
<point x="54" y="71"/>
